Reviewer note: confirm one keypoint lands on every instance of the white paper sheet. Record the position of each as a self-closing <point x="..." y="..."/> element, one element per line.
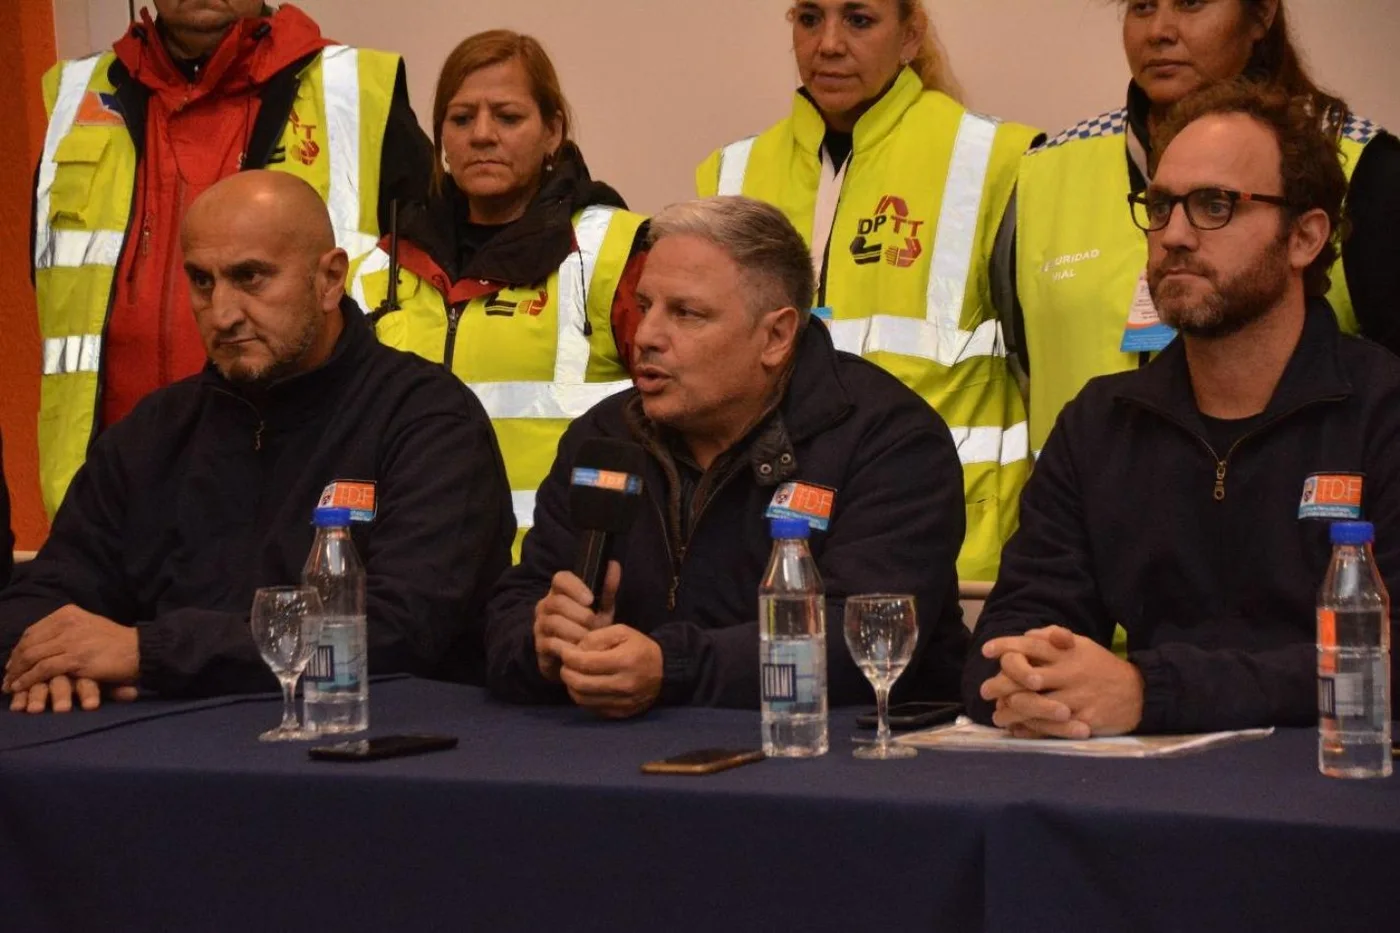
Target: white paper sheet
<point x="965" y="735"/>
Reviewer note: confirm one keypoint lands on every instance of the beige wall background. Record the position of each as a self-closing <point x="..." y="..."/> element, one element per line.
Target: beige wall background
<point x="657" y="84"/>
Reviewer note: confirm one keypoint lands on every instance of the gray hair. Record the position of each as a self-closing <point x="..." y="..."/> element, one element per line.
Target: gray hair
<point x="771" y="254"/>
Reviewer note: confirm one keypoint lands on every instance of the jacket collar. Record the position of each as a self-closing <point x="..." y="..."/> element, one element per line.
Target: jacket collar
<point x="250" y="54"/>
<point x="809" y="128"/>
<point x="1313" y="374"/>
<point x="526" y="252"/>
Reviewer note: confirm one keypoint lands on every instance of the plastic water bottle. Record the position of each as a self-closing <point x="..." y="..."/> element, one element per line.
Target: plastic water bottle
<point x="1353" y="659"/>
<point x="337" y="679"/>
<point x="792" y="646"/>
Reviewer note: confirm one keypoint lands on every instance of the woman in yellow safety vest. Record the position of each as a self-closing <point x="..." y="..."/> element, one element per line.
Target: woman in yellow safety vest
<point x="1079" y="258"/>
<point x="900" y="191"/>
<point x="511" y="274"/>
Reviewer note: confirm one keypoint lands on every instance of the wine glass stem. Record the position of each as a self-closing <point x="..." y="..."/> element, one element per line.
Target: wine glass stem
<point x="882" y="706"/>
<point x="289" y="703"/>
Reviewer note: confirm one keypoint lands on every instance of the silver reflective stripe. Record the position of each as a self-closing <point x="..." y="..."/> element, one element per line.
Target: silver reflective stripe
<point x="72" y="85"/>
<point x="376" y="261"/>
<point x="992" y="445"/>
<point x="543" y="399"/>
<point x="956" y="239"/>
<point x="355" y="243"/>
<point x="887" y="333"/>
<point x="733" y="165"/>
<point x="340" y="78"/>
<point x="79" y="354"/>
<point x="74" y="248"/>
<point x="575" y="282"/>
<point x="523" y="504"/>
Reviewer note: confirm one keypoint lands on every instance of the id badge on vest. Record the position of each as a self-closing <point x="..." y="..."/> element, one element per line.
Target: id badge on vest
<point x="1145" y="332"/>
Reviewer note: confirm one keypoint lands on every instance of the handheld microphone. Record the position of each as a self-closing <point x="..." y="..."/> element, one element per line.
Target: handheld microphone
<point x="605" y="495"/>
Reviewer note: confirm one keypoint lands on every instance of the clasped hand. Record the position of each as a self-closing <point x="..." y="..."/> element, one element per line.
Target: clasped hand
<point x="1054" y="683"/>
<point x="607" y="667"/>
<point x="71" y="653"/>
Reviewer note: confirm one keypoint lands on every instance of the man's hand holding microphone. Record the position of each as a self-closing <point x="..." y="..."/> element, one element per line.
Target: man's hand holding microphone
<point x="607" y="667"/>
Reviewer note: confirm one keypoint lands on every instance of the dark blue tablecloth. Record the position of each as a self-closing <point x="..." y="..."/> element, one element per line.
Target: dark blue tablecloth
<point x="541" y="821"/>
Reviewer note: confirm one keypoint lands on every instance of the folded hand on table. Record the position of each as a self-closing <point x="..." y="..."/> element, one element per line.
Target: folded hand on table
<point x="1054" y="683"/>
<point x="71" y="652"/>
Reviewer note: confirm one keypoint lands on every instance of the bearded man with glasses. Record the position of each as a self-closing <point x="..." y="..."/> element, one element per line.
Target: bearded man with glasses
<point x="1189" y="501"/>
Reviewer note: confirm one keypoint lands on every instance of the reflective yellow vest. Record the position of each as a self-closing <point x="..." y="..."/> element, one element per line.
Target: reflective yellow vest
<point x="1079" y="258"/>
<point x="537" y="356"/>
<point x="906" y="277"/>
<point x="87" y="181"/>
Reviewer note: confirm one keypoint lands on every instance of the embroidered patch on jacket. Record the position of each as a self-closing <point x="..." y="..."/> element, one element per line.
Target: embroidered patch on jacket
<point x="355" y="495"/>
<point x="99" y="109"/>
<point x="1332" y="496"/>
<point x="806" y="501"/>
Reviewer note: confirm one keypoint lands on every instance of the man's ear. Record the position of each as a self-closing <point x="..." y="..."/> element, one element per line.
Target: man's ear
<point x="780" y="331"/>
<point x="330" y="278"/>
<point x="1309" y="235"/>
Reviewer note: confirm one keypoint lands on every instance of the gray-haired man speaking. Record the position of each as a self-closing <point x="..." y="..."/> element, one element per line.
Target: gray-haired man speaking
<point x="741" y="403"/>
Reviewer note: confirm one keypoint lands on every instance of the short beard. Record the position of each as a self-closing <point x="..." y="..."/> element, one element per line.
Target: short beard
<point x="1234" y="303"/>
<point x="284" y="364"/>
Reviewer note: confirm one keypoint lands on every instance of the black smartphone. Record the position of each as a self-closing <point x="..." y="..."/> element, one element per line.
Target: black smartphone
<point x="922" y="715"/>
<point x="384" y="746"/>
<point x="704" y="761"/>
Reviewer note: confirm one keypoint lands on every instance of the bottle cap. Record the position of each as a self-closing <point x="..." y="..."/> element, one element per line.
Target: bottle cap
<point x="328" y="517"/>
<point x="1353" y="532"/>
<point x="786" y="529"/>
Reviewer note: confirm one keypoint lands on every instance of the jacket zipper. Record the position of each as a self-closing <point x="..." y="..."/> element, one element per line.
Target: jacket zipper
<point x="454" y="317"/>
<point x="167" y="341"/>
<point x="262" y="422"/>
<point x="1222" y="466"/>
<point x="678" y="559"/>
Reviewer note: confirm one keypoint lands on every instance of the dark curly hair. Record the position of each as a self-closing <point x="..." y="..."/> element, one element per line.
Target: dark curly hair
<point x="1310" y="163"/>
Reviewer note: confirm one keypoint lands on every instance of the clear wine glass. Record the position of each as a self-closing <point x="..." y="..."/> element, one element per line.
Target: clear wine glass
<point x="286" y="624"/>
<point x="881" y="630"/>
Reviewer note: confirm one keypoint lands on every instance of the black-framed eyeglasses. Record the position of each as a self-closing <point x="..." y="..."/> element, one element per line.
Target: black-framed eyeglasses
<point x="1206" y="208"/>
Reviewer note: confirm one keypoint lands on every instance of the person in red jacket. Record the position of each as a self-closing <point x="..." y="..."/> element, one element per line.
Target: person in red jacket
<point x="206" y="89"/>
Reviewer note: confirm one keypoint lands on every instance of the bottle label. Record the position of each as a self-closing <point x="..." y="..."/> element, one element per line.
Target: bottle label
<point x="336" y="664"/>
<point x="1342" y="696"/>
<point x="790" y="678"/>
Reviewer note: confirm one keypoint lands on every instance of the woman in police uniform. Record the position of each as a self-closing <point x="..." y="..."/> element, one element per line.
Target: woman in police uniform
<point x="511" y="273"/>
<point x="1080" y="259"/>
<point x="899" y="191"/>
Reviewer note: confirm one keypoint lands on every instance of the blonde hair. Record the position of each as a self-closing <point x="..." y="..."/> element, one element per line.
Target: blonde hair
<point x="931" y="63"/>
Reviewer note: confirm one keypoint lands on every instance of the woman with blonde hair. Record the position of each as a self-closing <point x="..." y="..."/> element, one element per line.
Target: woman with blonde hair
<point x="1081" y="260"/>
<point x="512" y="272"/>
<point x="899" y="191"/>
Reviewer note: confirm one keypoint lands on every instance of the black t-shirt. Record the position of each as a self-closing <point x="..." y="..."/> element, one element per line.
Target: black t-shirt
<point x="1223" y="433"/>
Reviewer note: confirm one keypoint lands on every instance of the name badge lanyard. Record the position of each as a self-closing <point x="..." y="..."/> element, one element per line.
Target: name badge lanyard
<point x="824" y="218"/>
